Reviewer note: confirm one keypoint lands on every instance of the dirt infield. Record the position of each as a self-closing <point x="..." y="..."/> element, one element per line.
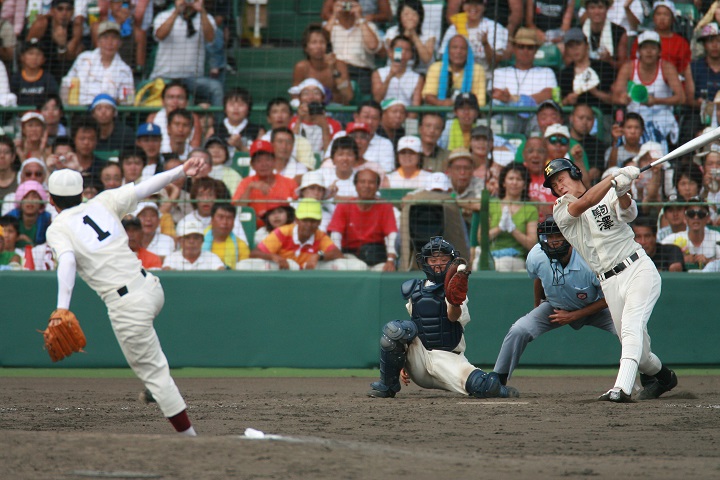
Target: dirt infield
<point x="95" y="428"/>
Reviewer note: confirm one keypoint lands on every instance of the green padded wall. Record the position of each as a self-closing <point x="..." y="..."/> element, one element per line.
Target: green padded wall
<point x="333" y="320"/>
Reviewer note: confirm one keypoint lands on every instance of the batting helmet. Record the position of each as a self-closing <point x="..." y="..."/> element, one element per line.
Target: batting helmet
<point x="557" y="166"/>
<point x="549" y="227"/>
<point x="436" y="246"/>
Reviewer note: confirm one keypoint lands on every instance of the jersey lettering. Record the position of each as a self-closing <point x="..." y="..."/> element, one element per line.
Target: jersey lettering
<point x="602" y="217"/>
<point x="102" y="235"/>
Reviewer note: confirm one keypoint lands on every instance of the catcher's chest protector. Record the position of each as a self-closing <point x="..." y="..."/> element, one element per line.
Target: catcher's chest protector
<point x="429" y="312"/>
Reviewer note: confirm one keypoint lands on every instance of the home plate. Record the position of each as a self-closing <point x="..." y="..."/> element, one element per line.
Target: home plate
<point x="116" y="474"/>
<point x="493" y="403"/>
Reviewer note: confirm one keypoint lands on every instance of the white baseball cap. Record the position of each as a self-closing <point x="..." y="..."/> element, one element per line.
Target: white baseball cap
<point x="143" y="205"/>
<point x="667" y="4"/>
<point x="65" y="183"/>
<point x="439" y="181"/>
<point x="313" y="177"/>
<point x="188" y="226"/>
<point x="653" y="148"/>
<point x="409" y="142"/>
<point x="308" y="82"/>
<point x="649" y="36"/>
<point x="557" y="129"/>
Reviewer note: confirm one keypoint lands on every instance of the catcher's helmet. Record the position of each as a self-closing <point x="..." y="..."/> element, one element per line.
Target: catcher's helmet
<point x="557" y="166"/>
<point x="549" y="227"/>
<point x="436" y="245"/>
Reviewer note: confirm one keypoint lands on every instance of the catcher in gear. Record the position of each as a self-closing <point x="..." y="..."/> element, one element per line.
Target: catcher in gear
<point x="429" y="348"/>
<point x="88" y="238"/>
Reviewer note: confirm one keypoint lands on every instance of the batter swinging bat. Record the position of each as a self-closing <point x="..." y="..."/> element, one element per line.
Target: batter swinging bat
<point x="686" y="148"/>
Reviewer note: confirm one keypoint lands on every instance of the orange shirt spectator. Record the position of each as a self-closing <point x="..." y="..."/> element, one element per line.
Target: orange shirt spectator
<point x="265" y="190"/>
<point x="149" y="260"/>
<point x="283" y="241"/>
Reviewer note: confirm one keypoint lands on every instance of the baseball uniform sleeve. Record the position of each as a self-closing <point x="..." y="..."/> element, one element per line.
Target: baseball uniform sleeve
<point x="66" y="279"/>
<point x="120" y="201"/>
<point x="560" y="211"/>
<point x="626" y="215"/>
<point x="58" y="241"/>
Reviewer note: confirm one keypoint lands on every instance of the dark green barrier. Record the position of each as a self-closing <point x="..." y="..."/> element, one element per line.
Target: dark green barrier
<point x="333" y="320"/>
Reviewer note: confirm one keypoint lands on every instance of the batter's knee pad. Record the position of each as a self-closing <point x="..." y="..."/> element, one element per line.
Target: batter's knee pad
<point x="402" y="331"/>
<point x="483" y="385"/>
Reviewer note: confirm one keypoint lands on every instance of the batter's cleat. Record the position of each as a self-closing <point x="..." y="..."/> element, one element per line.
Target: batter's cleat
<point x="616" y="396"/>
<point x="380" y="390"/>
<point x="656" y="388"/>
<point x="146" y="397"/>
<point x="509" y="392"/>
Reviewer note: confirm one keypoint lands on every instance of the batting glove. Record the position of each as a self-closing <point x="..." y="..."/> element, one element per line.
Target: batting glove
<point x="622" y="184"/>
<point x="629" y="171"/>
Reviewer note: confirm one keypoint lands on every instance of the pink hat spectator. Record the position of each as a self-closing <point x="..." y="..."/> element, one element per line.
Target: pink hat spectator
<point x="30" y="186"/>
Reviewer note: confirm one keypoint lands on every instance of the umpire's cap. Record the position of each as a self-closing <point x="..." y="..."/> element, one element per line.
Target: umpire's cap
<point x="558" y="165"/>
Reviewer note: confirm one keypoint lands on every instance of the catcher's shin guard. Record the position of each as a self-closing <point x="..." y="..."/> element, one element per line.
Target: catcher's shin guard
<point x="484" y="385"/>
<point x="391" y="363"/>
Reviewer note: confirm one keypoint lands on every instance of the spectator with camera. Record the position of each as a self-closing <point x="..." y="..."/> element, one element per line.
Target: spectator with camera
<point x="311" y="121"/>
<point x="182" y="33"/>
<point x="321" y="64"/>
<point x="397" y="80"/>
<point x="59" y="35"/>
<point x="377" y="11"/>
<point x="356" y="41"/>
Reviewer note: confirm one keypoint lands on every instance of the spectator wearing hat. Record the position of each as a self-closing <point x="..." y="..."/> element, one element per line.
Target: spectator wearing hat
<point x="148" y="137"/>
<point x="85" y="137"/>
<point x="297" y="245"/>
<point x="182" y="33"/>
<point x="409" y="173"/>
<point x="160" y="244"/>
<point x="366" y="229"/>
<point x="380" y="150"/>
<point x="661" y="93"/>
<point x="585" y="80"/>
<point x="34" y="219"/>
<point x="102" y="70"/>
<point x="134" y="231"/>
<point x="667" y="258"/>
<point x="266" y="189"/>
<point x="355" y="41"/>
<point x="550" y="18"/>
<point x="32" y="141"/>
<point x="220" y="238"/>
<point x="59" y="35"/>
<point x="458" y="130"/>
<point x="312" y="186"/>
<point x="220" y="156"/>
<point x="30" y="169"/>
<point x="283" y="141"/>
<point x="397" y="80"/>
<point x="607" y="41"/>
<point x="321" y="64"/>
<point x="430" y="130"/>
<point x="191" y="256"/>
<point x="699" y="244"/>
<point x="674" y="48"/>
<point x="32" y="84"/>
<point x="112" y="133"/>
<point x="133" y="28"/>
<point x="456" y="73"/>
<point x="311" y="120"/>
<point x="522" y="85"/>
<point x="488" y="39"/>
<point x="466" y="187"/>
<point x="392" y="122"/>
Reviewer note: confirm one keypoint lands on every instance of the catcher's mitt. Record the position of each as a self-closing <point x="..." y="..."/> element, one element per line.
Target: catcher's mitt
<point x="63" y="336"/>
<point x="456" y="282"/>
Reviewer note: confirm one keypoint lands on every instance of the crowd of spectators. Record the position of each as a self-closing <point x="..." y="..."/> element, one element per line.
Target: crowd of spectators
<point x="602" y="83"/>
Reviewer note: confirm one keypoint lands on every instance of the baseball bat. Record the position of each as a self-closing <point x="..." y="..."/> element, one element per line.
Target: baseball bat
<point x="686" y="148"/>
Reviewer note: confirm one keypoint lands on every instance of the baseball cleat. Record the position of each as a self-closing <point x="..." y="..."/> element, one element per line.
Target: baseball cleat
<point x="656" y="388"/>
<point x="379" y="390"/>
<point x="146" y="397"/>
<point x="616" y="396"/>
<point x="509" y="392"/>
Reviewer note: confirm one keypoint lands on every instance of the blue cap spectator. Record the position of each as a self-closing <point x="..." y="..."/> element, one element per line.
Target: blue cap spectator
<point x="148" y="130"/>
<point x="102" y="99"/>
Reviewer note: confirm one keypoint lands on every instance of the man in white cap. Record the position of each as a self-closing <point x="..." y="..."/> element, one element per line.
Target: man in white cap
<point x="311" y="121"/>
<point x="191" y="256"/>
<point x="158" y="243"/>
<point x="88" y="238"/>
<point x="409" y="173"/>
<point x="102" y="70"/>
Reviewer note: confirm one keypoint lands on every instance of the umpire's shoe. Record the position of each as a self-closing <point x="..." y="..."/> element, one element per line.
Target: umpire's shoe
<point x="617" y="396"/>
<point x="654" y="387"/>
<point x="380" y="390"/>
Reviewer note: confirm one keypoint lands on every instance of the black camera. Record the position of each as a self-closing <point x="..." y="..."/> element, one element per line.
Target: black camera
<point x="316" y="108"/>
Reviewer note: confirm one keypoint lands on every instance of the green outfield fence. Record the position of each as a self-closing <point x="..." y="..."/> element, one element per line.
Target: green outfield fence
<point x="329" y="319"/>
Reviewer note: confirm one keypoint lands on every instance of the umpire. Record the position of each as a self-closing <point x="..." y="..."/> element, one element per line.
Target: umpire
<point x="566" y="292"/>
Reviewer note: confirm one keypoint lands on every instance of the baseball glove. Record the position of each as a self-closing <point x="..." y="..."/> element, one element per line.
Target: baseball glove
<point x="63" y="336"/>
<point x="456" y="282"/>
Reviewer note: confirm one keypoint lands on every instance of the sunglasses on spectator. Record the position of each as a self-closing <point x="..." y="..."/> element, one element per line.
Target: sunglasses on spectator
<point x="696" y="213"/>
<point x="558" y="140"/>
<point x="36" y="173"/>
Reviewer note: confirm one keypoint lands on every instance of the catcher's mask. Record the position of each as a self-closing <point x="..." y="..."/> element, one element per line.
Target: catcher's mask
<point x="436" y="246"/>
<point x="546" y="228"/>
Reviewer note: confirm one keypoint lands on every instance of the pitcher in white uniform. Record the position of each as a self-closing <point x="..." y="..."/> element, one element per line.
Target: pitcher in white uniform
<point x="90" y="239"/>
<point x="595" y="222"/>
